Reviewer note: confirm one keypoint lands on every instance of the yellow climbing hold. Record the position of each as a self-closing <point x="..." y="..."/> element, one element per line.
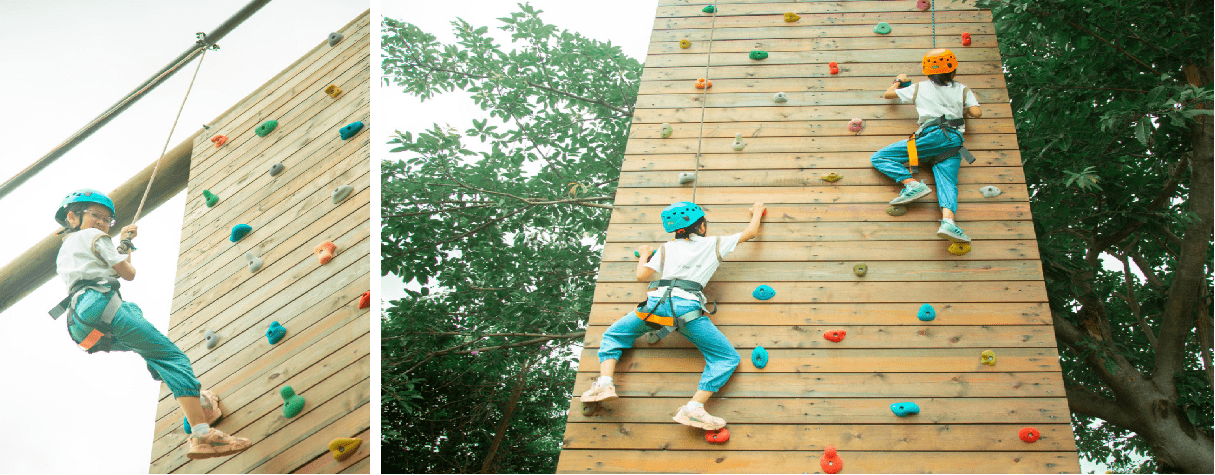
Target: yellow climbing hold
<point x="342" y="449"/>
<point x="685" y="43"/>
<point x="988" y="358"/>
<point x="333" y="90"/>
<point x="791" y="17"/>
<point x="832" y="178"/>
<point x="959" y="248"/>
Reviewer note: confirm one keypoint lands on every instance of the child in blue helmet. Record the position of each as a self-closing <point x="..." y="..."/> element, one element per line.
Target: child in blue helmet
<point x="98" y="319"/>
<point x="686" y="264"/>
<point x="940" y="103"/>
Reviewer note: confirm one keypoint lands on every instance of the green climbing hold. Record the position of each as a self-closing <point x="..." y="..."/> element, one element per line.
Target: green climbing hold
<point x="709" y="9"/>
<point x="882" y="28"/>
<point x="860" y="270"/>
<point x="266" y="127"/>
<point x="756" y="54"/>
<point x="211" y="198"/>
<point x="292" y="404"/>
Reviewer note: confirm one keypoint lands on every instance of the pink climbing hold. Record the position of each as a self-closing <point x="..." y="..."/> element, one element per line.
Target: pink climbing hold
<point x="856" y="125"/>
<point x="831" y="461"/>
<point x="324" y="251"/>
<point x="923" y="4"/>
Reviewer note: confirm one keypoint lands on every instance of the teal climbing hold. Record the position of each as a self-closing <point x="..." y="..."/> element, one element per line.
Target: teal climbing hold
<point x="904" y="409"/>
<point x="239" y="231"/>
<point x="211" y="198"/>
<point x="759" y="357"/>
<point x="275" y="332"/>
<point x="276" y="169"/>
<point x="763" y="292"/>
<point x="185" y="422"/>
<point x="266" y="127"/>
<point x="334" y="38"/>
<point x="350" y="129"/>
<point x="882" y="28"/>
<point x="756" y="54"/>
<point x="709" y="9"/>
<point x="340" y="193"/>
<point x="927" y="313"/>
<point x="292" y="403"/>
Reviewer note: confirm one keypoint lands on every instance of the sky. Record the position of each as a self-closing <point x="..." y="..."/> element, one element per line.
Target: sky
<point x="64" y="63"/>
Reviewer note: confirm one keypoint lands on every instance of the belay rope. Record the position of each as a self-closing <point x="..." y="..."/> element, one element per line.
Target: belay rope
<point x="703" y="103"/>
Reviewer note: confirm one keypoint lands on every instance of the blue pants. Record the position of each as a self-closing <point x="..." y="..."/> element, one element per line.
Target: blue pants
<point x="720" y="356"/>
<point x="132" y="332"/>
<point x="892" y="160"/>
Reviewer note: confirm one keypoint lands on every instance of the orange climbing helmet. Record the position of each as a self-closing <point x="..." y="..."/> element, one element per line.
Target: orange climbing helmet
<point x="940" y="61"/>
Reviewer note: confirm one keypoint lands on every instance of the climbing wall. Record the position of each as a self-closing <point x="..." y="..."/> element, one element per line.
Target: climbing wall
<point x="324" y="355"/>
<point x="813" y="392"/>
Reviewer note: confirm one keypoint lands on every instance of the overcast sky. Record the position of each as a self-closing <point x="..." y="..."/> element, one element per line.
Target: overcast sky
<point x="65" y="62"/>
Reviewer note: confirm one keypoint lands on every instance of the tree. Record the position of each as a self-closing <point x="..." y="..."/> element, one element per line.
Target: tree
<point x="506" y="220"/>
<point x="1113" y="113"/>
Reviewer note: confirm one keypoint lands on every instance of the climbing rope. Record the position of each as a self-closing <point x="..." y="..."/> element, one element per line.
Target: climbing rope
<point x="933" y="4"/>
<point x="703" y="103"/>
<point x="127" y="245"/>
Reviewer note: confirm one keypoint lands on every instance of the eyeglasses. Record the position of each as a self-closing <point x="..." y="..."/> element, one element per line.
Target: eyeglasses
<point x="101" y="217"/>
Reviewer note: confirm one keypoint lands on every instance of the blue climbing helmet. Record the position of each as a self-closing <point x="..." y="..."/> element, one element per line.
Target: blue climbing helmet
<point x="83" y="196"/>
<point x="680" y="215"/>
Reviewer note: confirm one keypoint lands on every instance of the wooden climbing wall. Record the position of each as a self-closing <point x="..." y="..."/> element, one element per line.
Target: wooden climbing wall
<point x="325" y="355"/>
<point x="814" y="393"/>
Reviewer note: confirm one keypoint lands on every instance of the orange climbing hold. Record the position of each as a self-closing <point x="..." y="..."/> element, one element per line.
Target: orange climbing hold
<point x="342" y="449"/>
<point x="1029" y="434"/>
<point x="965" y="39"/>
<point x="324" y="251"/>
<point x="703" y="83"/>
<point x="219" y="140"/>
<point x="719" y="436"/>
<point x="835" y="335"/>
<point x="831" y="461"/>
<point x="365" y="300"/>
<point x="835" y="68"/>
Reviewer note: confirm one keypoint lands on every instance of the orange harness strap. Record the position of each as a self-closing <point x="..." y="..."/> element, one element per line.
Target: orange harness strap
<point x="92" y="339"/>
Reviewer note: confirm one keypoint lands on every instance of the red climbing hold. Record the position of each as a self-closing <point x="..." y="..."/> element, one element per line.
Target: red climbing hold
<point x="835" y="335"/>
<point x="719" y="436"/>
<point x="1029" y="434"/>
<point x="325" y="251"/>
<point x="965" y="39"/>
<point x="219" y="140"/>
<point x="365" y="300"/>
<point x="831" y="461"/>
<point x="835" y="68"/>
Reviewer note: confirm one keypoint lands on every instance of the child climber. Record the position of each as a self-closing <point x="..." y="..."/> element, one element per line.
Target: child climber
<point x="940" y="102"/>
<point x="686" y="264"/>
<point x="99" y="320"/>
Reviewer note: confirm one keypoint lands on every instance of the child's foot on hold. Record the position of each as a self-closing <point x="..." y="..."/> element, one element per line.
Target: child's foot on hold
<point x="600" y="392"/>
<point x="210" y="407"/>
<point x="216" y="444"/>
<point x="911" y="193"/>
<point x="952" y="232"/>
<point x="699" y="418"/>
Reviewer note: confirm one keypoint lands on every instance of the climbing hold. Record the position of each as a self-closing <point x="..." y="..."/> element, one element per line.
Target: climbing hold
<point x="334" y="38"/>
<point x="685" y="43"/>
<point x="219" y="140"/>
<point x="266" y="127"/>
<point x="709" y="9"/>
<point x="340" y="193"/>
<point x="703" y="83"/>
<point x="333" y="91"/>
<point x="835" y="68"/>
<point x="927" y="313"/>
<point x="686" y="177"/>
<point x="882" y="28"/>
<point x="757" y="55"/>
<point x="791" y="17"/>
<point x="779" y="98"/>
<point x="856" y="125"/>
<point x="989" y="191"/>
<point x="342" y="449"/>
<point x="1029" y="434"/>
<point x="255" y="263"/>
<point x="185" y="422"/>
<point x="652" y="337"/>
<point x="667" y="130"/>
<point x="988" y="358"/>
<point x="211" y="338"/>
<point x="211" y="198"/>
<point x="896" y="210"/>
<point x="831" y="461"/>
<point x="959" y="248"/>
<point x="763" y="292"/>
<point x="759" y="357"/>
<point x="365" y="300"/>
<point x="324" y="251"/>
<point x="832" y="178"/>
<point x="276" y="169"/>
<point x="588" y="408"/>
<point x="835" y="335"/>
<point x="350" y="129"/>
<point x="965" y="39"/>
<point x="637" y="253"/>
<point x="239" y="231"/>
<point x="922" y="4"/>
<point x="738" y="143"/>
<point x="860" y="270"/>
<point x="292" y="403"/>
<point x="719" y="436"/>
<point x="904" y="409"/>
<point x="275" y="332"/>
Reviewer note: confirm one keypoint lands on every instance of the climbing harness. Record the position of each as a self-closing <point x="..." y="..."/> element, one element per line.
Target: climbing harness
<point x="941" y="124"/>
<point x="100" y="337"/>
<point x="665" y="325"/>
<point x="703" y="101"/>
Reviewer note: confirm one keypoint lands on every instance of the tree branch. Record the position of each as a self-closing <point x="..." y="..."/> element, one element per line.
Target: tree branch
<point x="600" y="102"/>
<point x="1134" y="303"/>
<point x="1089" y="404"/>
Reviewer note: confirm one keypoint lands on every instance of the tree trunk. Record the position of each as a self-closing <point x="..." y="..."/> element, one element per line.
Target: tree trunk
<point x="510" y="411"/>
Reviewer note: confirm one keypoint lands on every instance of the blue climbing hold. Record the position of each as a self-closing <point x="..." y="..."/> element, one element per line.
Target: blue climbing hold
<point x="763" y="292"/>
<point x="927" y="314"/>
<point x="759" y="357"/>
<point x="904" y="409"/>
<point x="239" y="231"/>
<point x="275" y="332"/>
<point x="185" y="422"/>
<point x="351" y="129"/>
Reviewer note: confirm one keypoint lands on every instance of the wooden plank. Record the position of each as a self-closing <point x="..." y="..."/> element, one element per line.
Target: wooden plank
<point x="841" y="271"/>
<point x="870" y="144"/>
<point x="815" y="21"/>
<point x="823" y="45"/>
<point x="835" y="360"/>
<point x="893" y="130"/>
<point x="777" y="8"/>
<point x="796" y="112"/>
<point x="363" y="466"/>
<point x="833" y="292"/>
<point x="290" y="460"/>
<point x="713" y="460"/>
<point x="850" y="253"/>
<point x="805" y="159"/>
<point x="760" y="99"/>
<point x="893" y="385"/>
<point x="874" y="86"/>
<point x="980" y="231"/>
<point x="326" y="463"/>
<point x="841" y="314"/>
<point x="802" y="58"/>
<point x="960" y="335"/>
<point x="998" y="176"/>
<point x="723" y="217"/>
<point x="817" y="195"/>
<point x="697" y="30"/>
<point x="908" y="64"/>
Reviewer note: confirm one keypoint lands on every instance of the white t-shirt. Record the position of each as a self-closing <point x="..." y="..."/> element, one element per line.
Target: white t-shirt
<point x="690" y="259"/>
<point x="76" y="260"/>
<point x="932" y="101"/>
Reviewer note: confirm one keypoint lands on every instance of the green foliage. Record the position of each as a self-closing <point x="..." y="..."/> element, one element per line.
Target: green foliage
<point x="502" y="224"/>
